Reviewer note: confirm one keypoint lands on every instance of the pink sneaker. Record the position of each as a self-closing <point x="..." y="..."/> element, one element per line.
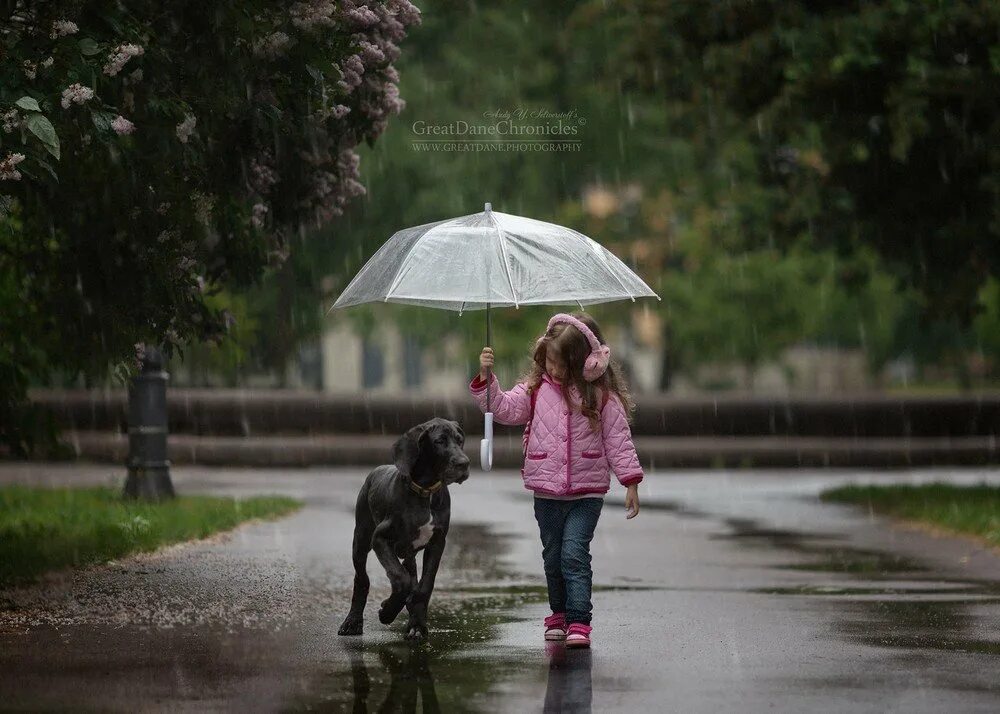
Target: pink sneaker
<point x="578" y="635"/>
<point x="555" y="626"/>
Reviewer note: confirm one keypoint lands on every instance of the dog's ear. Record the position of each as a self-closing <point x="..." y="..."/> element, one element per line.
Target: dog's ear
<point x="406" y="450"/>
<point x="461" y="433"/>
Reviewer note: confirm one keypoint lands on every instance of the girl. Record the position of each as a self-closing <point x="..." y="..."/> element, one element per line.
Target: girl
<point x="576" y="411"/>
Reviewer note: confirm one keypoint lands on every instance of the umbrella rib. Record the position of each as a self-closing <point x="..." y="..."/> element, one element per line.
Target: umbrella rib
<point x="396" y="278"/>
<point x="503" y="252"/>
<point x="587" y="242"/>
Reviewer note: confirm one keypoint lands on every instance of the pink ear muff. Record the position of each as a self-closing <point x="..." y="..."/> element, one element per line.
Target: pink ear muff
<point x="597" y="363"/>
<point x="600" y="355"/>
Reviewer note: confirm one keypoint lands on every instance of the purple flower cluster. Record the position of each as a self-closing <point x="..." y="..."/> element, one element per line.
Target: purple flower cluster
<point x="122" y="126"/>
<point x="262" y="174"/>
<point x="352" y="68"/>
<point x="370" y="93"/>
<point x="8" y="172"/>
<point x="13" y="121"/>
<point x="313" y="14"/>
<point x="76" y="93"/>
<point x="121" y="55"/>
<point x="333" y="189"/>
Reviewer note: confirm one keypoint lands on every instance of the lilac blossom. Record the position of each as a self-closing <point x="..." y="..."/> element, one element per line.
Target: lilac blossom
<point x="61" y="28"/>
<point x="352" y="68"/>
<point x="361" y="17"/>
<point x="76" y="93"/>
<point x="119" y="57"/>
<point x="312" y="14"/>
<point x="274" y="45"/>
<point x="12" y="120"/>
<point x="262" y="176"/>
<point x="7" y="170"/>
<point x="186" y="128"/>
<point x="259" y="214"/>
<point x="370" y="52"/>
<point x="122" y="126"/>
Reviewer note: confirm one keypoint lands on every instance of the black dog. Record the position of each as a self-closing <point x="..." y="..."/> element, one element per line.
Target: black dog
<point x="402" y="509"/>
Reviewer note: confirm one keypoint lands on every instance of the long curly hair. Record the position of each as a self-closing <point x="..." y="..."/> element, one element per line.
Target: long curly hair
<point x="573" y="349"/>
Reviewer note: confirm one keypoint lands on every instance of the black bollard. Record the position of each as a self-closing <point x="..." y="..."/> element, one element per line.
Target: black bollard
<point x="148" y="466"/>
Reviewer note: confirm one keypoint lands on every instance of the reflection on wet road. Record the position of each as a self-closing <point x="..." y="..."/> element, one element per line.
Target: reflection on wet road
<point x="730" y="592"/>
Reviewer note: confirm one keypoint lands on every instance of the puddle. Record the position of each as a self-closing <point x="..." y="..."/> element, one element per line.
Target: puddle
<point x="882" y="607"/>
<point x="474" y="553"/>
<point x="470" y="661"/>
<point x="749" y="529"/>
<point x="826" y="557"/>
<point x="853" y="560"/>
<point x="922" y="625"/>
<point x="901" y="594"/>
<point x="454" y="670"/>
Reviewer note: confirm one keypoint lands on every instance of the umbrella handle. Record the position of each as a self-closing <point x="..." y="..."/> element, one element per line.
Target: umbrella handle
<point x="486" y="445"/>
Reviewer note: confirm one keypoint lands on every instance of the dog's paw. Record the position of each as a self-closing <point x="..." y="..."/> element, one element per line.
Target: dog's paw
<point x="351" y="626"/>
<point x="416" y="632"/>
<point x="390" y="608"/>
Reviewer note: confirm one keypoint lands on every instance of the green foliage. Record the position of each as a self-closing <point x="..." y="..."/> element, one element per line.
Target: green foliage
<point x="962" y="509"/>
<point x="853" y="139"/>
<point x="229" y="358"/>
<point x="692" y="198"/>
<point x="148" y="155"/>
<point x="987" y="324"/>
<point x="45" y="529"/>
<point x="742" y="309"/>
<point x="871" y="122"/>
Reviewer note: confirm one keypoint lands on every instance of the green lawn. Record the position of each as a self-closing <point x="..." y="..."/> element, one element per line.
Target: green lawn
<point x="962" y="509"/>
<point x="44" y="529"/>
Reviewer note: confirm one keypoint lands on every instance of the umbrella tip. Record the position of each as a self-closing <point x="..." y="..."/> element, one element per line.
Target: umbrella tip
<point x="488" y="208"/>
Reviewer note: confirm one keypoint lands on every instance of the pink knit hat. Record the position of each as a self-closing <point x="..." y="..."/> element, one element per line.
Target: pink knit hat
<point x="597" y="362"/>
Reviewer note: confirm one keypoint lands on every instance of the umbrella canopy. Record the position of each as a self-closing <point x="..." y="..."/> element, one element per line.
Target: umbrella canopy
<point x="492" y="259"/>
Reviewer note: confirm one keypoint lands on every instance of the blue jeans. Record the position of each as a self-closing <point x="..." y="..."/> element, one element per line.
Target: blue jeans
<point x="566" y="529"/>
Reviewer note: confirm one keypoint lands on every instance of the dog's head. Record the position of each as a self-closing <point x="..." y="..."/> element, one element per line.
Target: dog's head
<point x="434" y="446"/>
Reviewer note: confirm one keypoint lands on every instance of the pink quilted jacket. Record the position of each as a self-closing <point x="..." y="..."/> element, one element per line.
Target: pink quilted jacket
<point x="564" y="455"/>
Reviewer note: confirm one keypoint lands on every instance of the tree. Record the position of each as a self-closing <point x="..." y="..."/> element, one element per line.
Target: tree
<point x="873" y="122"/>
<point x="153" y="154"/>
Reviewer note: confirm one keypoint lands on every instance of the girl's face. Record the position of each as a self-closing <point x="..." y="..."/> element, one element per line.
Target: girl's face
<point x="554" y="364"/>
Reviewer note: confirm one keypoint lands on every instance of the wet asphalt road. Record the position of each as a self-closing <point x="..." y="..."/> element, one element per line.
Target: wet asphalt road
<point x="731" y="591"/>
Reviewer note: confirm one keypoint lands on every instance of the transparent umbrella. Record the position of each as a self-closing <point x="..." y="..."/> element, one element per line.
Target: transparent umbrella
<point x="492" y="259"/>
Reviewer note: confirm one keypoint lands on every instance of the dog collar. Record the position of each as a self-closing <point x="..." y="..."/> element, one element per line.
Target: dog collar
<point x="430" y="490"/>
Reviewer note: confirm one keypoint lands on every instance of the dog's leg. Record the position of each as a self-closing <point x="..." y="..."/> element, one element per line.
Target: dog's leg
<point x="418" y="602"/>
<point x="411" y="567"/>
<point x="360" y="681"/>
<point x="402" y="694"/>
<point x="425" y="682"/>
<point x="363" y="527"/>
<point x="398" y="577"/>
<point x="410" y="564"/>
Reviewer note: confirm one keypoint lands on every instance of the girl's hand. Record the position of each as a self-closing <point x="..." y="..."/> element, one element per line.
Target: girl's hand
<point x="485" y="361"/>
<point x="631" y="501"/>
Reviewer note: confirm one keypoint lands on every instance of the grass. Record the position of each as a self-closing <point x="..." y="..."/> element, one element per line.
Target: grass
<point x="973" y="510"/>
<point x="45" y="529"/>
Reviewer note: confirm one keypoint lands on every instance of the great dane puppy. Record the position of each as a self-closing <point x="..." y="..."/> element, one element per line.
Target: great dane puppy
<point x="401" y="509"/>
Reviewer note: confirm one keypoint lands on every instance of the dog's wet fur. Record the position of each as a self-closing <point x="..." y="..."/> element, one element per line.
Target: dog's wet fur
<point x="397" y="522"/>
